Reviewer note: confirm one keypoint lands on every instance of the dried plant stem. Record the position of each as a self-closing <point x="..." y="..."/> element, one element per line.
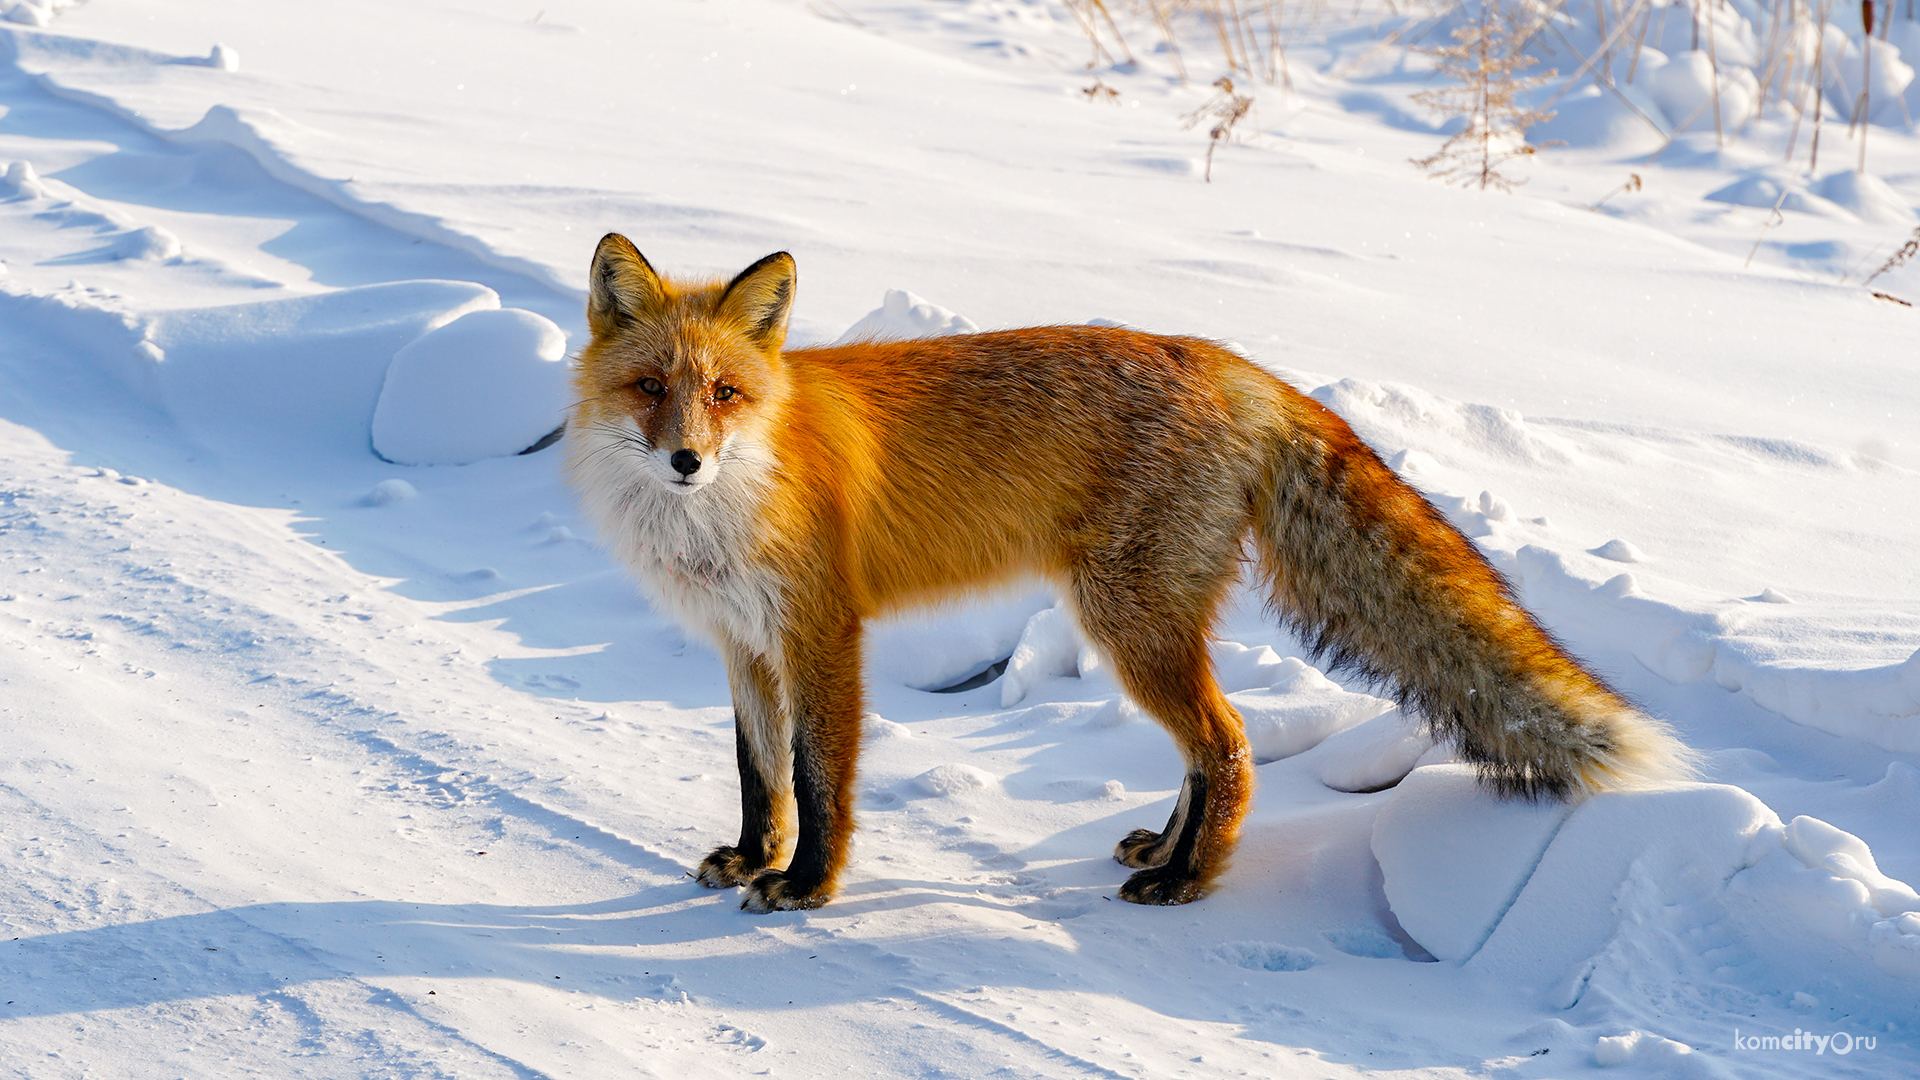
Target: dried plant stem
<point x="1225" y="109"/>
<point x="1639" y="43"/>
<point x="1774" y="217"/>
<point x="1819" y="86"/>
<point x="1163" y="21"/>
<point x="1863" y="109"/>
<point x="1899" y="258"/>
<point x="1713" y="65"/>
<point x="1483" y="61"/>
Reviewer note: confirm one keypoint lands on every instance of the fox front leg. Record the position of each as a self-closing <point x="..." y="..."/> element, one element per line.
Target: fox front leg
<point x="763" y="745"/>
<point x="821" y="684"/>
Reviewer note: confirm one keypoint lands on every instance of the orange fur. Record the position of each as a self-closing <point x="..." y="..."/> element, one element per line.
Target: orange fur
<point x="777" y="500"/>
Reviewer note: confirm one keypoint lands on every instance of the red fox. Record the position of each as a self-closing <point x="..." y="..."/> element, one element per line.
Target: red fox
<point x="774" y="501"/>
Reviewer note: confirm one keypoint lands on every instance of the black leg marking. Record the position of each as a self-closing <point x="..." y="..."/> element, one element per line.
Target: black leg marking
<point x="1176" y="880"/>
<point x="800" y="884"/>
<point x="759" y="842"/>
<point x="1144" y="848"/>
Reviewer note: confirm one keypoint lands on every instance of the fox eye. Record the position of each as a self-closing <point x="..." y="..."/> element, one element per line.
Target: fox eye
<point x="652" y="386"/>
<point x="724" y="393"/>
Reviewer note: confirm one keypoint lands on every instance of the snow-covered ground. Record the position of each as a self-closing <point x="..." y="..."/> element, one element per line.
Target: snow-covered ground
<point x="316" y="764"/>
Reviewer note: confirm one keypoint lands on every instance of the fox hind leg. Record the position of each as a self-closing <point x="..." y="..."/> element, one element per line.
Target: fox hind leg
<point x="763" y="747"/>
<point x="1143" y="848"/>
<point x="1154" y="631"/>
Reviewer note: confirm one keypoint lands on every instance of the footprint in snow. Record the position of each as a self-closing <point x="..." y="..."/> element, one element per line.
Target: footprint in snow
<point x="1265" y="955"/>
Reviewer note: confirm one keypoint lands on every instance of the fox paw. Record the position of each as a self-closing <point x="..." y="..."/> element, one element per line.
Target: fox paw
<point x="725" y="868"/>
<point x="1160" y="885"/>
<point x="1142" y="848"/>
<point x="773" y="890"/>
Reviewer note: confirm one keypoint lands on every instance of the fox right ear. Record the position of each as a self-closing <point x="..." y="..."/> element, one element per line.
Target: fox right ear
<point x="623" y="286"/>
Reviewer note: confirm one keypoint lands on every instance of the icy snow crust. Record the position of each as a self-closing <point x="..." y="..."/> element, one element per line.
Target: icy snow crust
<point x="335" y="748"/>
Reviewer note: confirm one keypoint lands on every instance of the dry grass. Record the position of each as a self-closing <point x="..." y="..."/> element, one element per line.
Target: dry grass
<point x="1898" y="259"/>
<point x="1780" y="60"/>
<point x="1225" y="109"/>
<point x="1251" y="36"/>
<point x="1484" y="64"/>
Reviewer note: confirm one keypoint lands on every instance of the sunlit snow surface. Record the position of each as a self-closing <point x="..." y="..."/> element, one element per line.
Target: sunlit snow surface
<point x="318" y="764"/>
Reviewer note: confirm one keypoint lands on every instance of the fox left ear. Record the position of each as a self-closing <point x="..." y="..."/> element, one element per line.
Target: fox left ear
<point x="622" y="286"/>
<point x="760" y="298"/>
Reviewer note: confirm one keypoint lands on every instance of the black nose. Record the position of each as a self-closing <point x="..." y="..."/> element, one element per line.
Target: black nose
<point x="685" y="462"/>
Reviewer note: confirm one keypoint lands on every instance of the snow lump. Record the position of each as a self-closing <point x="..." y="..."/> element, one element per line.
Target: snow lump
<point x="491" y="383"/>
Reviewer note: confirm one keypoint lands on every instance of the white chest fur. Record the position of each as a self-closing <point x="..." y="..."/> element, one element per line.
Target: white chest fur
<point x="693" y="552"/>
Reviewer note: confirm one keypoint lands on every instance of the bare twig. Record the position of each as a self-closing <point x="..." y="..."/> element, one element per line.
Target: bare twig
<point x="1225" y="109"/>
<point x="1484" y="61"/>
<point x="1632" y="184"/>
<point x="1899" y="258"/>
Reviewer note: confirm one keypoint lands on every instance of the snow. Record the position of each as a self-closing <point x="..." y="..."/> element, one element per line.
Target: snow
<point x="488" y="384"/>
<point x="337" y="745"/>
<point x="903" y="315"/>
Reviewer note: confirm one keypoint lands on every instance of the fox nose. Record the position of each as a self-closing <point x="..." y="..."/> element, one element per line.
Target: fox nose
<point x="685" y="462"/>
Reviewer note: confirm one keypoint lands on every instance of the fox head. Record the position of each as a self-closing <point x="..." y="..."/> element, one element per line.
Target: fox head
<point x="684" y="376"/>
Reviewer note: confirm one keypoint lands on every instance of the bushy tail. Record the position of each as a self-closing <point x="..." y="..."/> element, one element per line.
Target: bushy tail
<point x="1376" y="580"/>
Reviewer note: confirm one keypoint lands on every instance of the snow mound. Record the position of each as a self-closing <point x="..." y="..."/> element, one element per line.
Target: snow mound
<point x="1454" y="858"/>
<point x="1300" y="710"/>
<point x="1375" y="754"/>
<point x="488" y="384"/>
<point x="254" y="380"/>
<point x="1592" y="117"/>
<point x="1239" y="667"/>
<point x="934" y="649"/>
<point x="1684" y="88"/>
<point x="1049" y="647"/>
<point x="946" y="781"/>
<point x="391" y="491"/>
<point x="1619" y="551"/>
<point x="1401" y="415"/>
<point x="1645" y="1050"/>
<point x="151" y="243"/>
<point x="1867" y="196"/>
<point x="23" y="181"/>
<point x="1610" y="894"/>
<point x="1765" y="192"/>
<point x="903" y="315"/>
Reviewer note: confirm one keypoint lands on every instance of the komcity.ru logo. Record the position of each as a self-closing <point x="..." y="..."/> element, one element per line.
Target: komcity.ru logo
<point x="1840" y="1042"/>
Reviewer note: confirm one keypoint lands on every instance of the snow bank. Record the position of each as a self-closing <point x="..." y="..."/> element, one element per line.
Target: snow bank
<point x="1454" y="858"/>
<point x="489" y="384"/>
<point x="304" y="372"/>
<point x="1687" y="643"/>
<point x="1605" y="894"/>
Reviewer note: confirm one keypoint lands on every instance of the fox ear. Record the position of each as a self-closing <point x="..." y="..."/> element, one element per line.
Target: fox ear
<point x="760" y="298"/>
<point x="623" y="286"/>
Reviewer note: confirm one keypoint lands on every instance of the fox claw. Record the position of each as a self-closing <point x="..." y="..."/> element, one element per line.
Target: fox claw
<point x="725" y="868"/>
<point x="1141" y="849"/>
<point x="1161" y="886"/>
<point x="773" y="890"/>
